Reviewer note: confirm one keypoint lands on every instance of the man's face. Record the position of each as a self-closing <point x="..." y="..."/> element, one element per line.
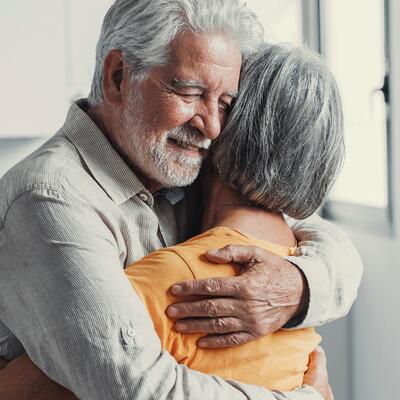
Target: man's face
<point x="170" y="118"/>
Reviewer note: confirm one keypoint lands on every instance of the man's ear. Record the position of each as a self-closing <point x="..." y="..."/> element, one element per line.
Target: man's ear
<point x="113" y="72"/>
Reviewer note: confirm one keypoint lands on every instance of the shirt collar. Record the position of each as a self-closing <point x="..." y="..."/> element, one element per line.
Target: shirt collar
<point x="173" y="195"/>
<point x="108" y="168"/>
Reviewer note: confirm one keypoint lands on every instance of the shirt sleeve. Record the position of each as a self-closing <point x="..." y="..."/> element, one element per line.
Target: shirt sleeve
<point x="63" y="293"/>
<point x="332" y="267"/>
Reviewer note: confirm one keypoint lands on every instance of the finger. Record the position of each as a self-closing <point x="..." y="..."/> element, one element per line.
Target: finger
<point x="225" y="340"/>
<point x="209" y="325"/>
<point x="331" y="396"/>
<point x="318" y="358"/>
<point x="236" y="253"/>
<point x="316" y="367"/>
<point x="219" y="307"/>
<point x="225" y="286"/>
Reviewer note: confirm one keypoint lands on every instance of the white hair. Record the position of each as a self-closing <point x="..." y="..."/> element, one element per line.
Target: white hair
<point x="143" y="30"/>
<point x="283" y="145"/>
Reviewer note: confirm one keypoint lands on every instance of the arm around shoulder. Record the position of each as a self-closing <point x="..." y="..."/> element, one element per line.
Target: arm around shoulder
<point x="331" y="265"/>
<point x="63" y="293"/>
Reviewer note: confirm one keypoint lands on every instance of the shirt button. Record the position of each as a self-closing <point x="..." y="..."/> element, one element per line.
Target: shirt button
<point x="128" y="336"/>
<point x="144" y="197"/>
<point x="131" y="332"/>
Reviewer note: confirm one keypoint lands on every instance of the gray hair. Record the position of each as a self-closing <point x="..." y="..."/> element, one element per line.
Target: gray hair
<point x="143" y="30"/>
<point x="283" y="146"/>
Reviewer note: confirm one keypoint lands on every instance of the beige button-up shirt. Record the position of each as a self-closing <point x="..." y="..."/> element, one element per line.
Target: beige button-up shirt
<point x="72" y="215"/>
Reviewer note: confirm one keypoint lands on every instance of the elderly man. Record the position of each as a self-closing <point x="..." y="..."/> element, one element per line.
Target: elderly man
<point x="103" y="192"/>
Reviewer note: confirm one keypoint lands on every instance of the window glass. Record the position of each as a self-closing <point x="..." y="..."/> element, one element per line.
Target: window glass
<point x="353" y="43"/>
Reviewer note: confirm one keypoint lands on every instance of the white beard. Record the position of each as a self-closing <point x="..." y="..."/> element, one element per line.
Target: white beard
<point x="156" y="157"/>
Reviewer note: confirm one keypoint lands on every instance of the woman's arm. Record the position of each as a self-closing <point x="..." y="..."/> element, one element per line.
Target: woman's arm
<point x="21" y="379"/>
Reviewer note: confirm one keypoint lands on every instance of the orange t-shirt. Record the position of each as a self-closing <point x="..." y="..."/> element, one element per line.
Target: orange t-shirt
<point x="276" y="361"/>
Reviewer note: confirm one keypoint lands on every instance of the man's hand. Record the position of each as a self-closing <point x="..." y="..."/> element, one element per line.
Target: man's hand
<point x="317" y="374"/>
<point x="268" y="293"/>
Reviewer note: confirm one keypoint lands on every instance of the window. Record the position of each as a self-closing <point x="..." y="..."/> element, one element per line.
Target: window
<point x="354" y="45"/>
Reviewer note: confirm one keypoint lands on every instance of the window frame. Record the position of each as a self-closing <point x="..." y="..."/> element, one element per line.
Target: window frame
<point x="377" y="220"/>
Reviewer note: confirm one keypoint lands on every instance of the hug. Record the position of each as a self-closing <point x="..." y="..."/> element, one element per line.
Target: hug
<point x="164" y="243"/>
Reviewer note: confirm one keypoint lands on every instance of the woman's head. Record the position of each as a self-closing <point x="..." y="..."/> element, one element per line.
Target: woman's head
<point x="283" y="144"/>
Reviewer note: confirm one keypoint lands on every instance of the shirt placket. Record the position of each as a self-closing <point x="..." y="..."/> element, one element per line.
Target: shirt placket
<point x="167" y="228"/>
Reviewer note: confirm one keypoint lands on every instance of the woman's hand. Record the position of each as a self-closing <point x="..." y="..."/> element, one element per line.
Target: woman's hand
<point x="268" y="293"/>
<point x="317" y="374"/>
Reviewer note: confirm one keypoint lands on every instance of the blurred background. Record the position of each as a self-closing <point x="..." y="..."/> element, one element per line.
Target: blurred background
<point x="47" y="49"/>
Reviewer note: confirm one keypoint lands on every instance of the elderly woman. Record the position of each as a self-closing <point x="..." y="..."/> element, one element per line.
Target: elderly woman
<point x="279" y="154"/>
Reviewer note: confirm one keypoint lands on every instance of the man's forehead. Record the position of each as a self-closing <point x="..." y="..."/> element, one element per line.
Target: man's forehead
<point x="208" y="49"/>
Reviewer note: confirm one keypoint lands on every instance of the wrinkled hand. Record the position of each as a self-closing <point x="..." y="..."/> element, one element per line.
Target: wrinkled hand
<point x="317" y="374"/>
<point x="268" y="292"/>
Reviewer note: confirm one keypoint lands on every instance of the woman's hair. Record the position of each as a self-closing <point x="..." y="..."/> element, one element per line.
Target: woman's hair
<point x="143" y="30"/>
<point x="282" y="147"/>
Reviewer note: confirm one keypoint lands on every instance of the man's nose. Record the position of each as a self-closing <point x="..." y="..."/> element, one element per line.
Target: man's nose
<point x="207" y="120"/>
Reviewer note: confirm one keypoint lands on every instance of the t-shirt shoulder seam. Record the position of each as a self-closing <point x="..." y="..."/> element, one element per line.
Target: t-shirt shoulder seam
<point x="182" y="255"/>
<point x="177" y="251"/>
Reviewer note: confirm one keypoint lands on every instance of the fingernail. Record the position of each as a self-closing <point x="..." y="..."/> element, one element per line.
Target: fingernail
<point x="203" y="344"/>
<point x="213" y="252"/>
<point x="180" y="326"/>
<point x="172" y="312"/>
<point x="176" y="289"/>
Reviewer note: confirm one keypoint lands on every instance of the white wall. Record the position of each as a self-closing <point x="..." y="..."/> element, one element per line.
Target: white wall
<point x="336" y="341"/>
<point x="376" y="321"/>
<point x="47" y="50"/>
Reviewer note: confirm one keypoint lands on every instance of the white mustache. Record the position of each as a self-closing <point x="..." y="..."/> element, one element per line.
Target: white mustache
<point x="189" y="136"/>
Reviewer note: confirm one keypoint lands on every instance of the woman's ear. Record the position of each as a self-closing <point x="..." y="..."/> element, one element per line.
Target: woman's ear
<point x="113" y="74"/>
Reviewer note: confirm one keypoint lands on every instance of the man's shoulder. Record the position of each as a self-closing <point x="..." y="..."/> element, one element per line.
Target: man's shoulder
<point x="56" y="166"/>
